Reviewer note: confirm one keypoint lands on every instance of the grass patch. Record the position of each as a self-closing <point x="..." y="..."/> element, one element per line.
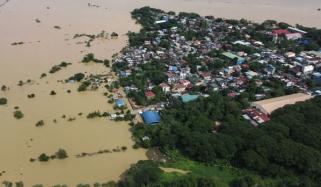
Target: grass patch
<point x="222" y="172"/>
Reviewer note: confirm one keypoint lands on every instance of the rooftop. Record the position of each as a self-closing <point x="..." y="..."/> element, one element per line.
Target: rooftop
<point x="187" y="98"/>
<point x="151" y="117"/>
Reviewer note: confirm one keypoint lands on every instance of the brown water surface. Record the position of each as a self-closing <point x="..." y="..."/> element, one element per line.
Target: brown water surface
<point x="45" y="46"/>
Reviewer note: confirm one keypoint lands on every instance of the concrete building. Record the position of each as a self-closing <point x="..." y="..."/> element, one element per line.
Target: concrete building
<point x="232" y="56"/>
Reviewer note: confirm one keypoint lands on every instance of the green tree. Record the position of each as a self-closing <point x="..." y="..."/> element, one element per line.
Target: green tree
<point x="18" y="114"/>
<point x="43" y="157"/>
<point x="61" y="154"/>
<point x="3" y="101"/>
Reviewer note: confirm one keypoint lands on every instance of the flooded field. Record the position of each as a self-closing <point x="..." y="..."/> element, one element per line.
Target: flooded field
<point x="33" y="22"/>
<point x="45" y="31"/>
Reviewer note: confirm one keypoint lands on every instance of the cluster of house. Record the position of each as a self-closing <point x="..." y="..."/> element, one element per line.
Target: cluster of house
<point x="235" y="76"/>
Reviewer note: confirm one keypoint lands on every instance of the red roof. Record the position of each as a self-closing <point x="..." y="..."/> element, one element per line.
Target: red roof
<point x="232" y="94"/>
<point x="149" y="94"/>
<point x="185" y="82"/>
<point x="163" y="85"/>
<point x="280" y="32"/>
<point x="205" y="74"/>
<point x="245" y="66"/>
<point x="257" y="115"/>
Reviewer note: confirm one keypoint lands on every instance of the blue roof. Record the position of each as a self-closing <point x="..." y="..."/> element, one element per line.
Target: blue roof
<point x="123" y="74"/>
<point x="172" y="68"/>
<point x="187" y="98"/>
<point x="151" y="117"/>
<point x="304" y="42"/>
<point x="120" y="102"/>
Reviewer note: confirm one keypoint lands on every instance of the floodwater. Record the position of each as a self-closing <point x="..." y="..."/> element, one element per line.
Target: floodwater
<point x="45" y="46"/>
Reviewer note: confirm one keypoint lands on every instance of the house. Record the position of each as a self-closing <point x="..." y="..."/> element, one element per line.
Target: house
<point x="120" y="103"/>
<point x="297" y="30"/>
<point x="270" y="69"/>
<point x="315" y="53"/>
<point x="214" y="87"/>
<point x="165" y="87"/>
<point x="151" y="117"/>
<point x="231" y="56"/>
<point x="206" y="75"/>
<point x="188" y="98"/>
<point x="124" y="73"/>
<point x="150" y="94"/>
<point x="316" y="77"/>
<point x="256" y="116"/>
<point x="293" y="36"/>
<point x="307" y="69"/>
<point x="161" y="21"/>
<point x="296" y="70"/>
<point x="172" y="68"/>
<point x="251" y="74"/>
<point x="171" y="77"/>
<point x="185" y="82"/>
<point x="289" y="54"/>
<point x="280" y="32"/>
<point x="240" y="42"/>
<point x="232" y="94"/>
<point x="178" y="88"/>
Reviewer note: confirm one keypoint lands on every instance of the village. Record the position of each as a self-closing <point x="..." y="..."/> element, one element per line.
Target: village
<point x="187" y="56"/>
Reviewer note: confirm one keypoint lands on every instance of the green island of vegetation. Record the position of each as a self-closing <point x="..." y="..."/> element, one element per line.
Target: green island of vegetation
<point x="60" y="154"/>
<point x="57" y="68"/>
<point x="3" y="101"/>
<point x="91" y="37"/>
<point x="18" y="114"/>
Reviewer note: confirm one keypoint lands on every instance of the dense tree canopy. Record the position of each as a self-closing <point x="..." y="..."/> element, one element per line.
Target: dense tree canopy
<point x="289" y="145"/>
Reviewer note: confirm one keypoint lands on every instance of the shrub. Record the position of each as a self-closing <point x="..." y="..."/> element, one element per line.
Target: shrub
<point x="19" y="184"/>
<point x="37" y="185"/>
<point x="107" y="63"/>
<point x="40" y="123"/>
<point x="3" y="101"/>
<point x="61" y="154"/>
<point x="18" y="114"/>
<point x="54" y="69"/>
<point x="30" y="96"/>
<point x="93" y="115"/>
<point x="77" y="77"/>
<point x="20" y="83"/>
<point x="43" y="75"/>
<point x="43" y="157"/>
<point x="123" y="148"/>
<point x="7" y="184"/>
<point x="88" y="58"/>
<point x="114" y="35"/>
<point x="84" y="85"/>
<point x="53" y="93"/>
<point x="4" y="88"/>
